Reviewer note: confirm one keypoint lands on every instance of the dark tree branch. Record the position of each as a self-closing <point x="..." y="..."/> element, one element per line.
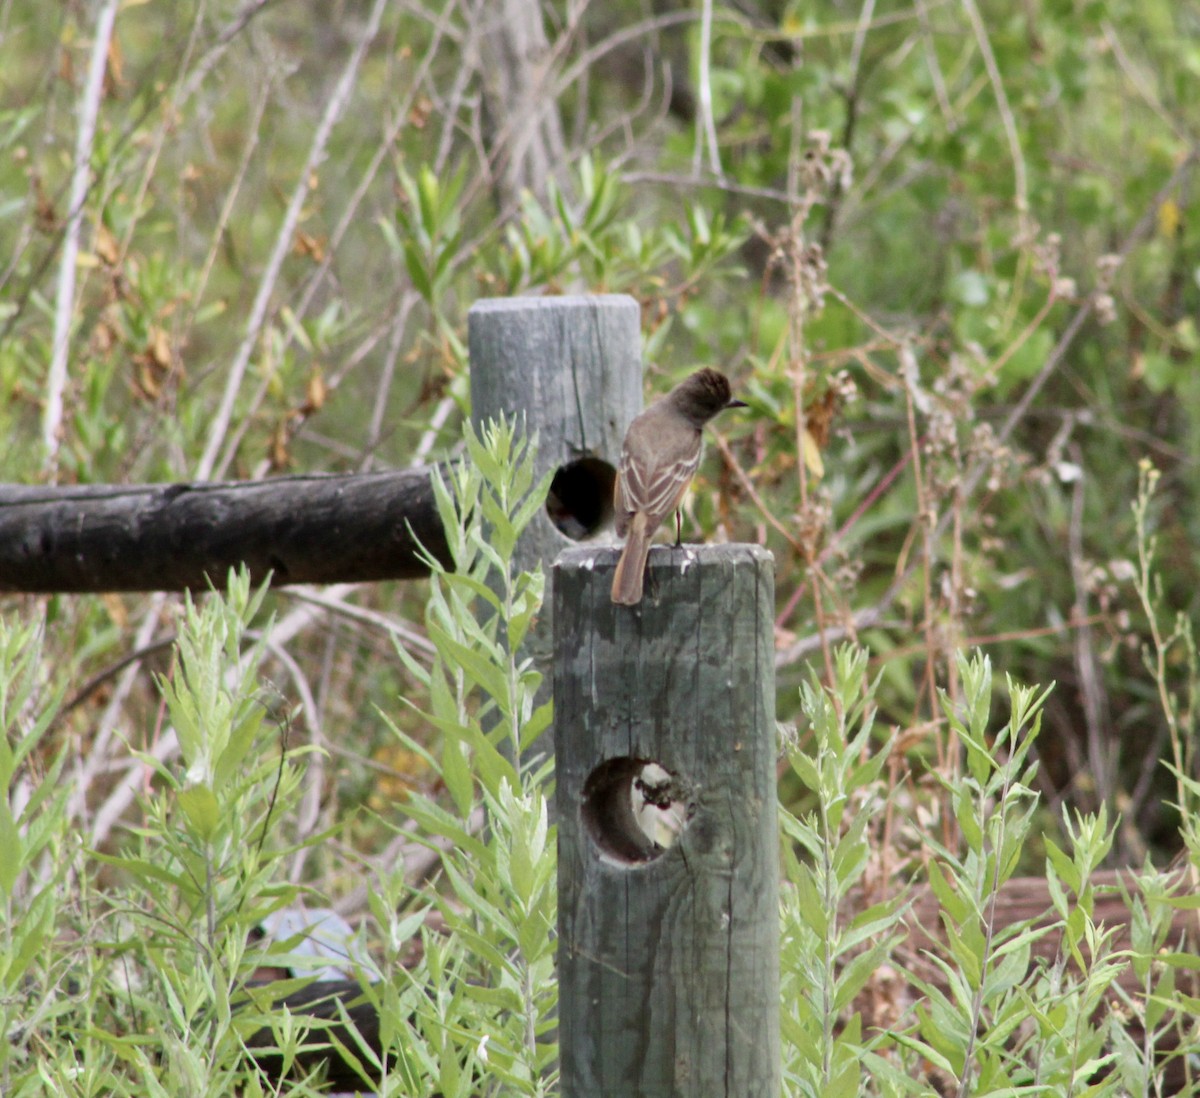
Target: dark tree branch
<point x="167" y="537"/>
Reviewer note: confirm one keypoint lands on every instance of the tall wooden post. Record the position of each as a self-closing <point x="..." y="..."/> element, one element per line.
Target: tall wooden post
<point x="668" y="852"/>
<point x="572" y="368"/>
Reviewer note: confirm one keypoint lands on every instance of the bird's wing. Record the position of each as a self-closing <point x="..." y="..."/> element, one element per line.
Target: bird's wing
<point x="655" y="489"/>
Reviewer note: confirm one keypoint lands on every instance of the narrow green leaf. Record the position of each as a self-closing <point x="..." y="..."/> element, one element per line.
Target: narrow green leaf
<point x="200" y="806"/>
<point x="12" y="849"/>
<point x="456" y="773"/>
<point x="414" y="262"/>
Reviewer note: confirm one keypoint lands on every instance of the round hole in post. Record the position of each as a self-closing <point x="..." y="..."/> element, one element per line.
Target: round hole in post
<point x="580" y="502"/>
<point x="634" y="810"/>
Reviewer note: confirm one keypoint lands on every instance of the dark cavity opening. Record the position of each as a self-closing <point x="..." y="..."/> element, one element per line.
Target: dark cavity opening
<point x="634" y="810"/>
<point x="580" y="502"/>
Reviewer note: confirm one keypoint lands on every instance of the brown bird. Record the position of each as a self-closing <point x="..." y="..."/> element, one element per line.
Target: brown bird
<point x="658" y="461"/>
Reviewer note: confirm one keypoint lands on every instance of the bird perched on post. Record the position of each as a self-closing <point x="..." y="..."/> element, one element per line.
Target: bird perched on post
<point x="659" y="458"/>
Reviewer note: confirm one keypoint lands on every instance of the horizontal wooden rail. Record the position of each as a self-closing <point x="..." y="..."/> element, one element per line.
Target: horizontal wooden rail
<point x="354" y="528"/>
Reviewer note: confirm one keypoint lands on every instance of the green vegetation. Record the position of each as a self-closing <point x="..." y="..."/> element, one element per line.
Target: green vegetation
<point x="947" y="253"/>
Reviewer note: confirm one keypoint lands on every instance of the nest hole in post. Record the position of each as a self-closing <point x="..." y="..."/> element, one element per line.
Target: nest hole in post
<point x="634" y="810"/>
<point x="580" y="503"/>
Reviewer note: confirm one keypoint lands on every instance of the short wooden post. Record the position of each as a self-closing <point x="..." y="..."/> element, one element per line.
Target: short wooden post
<point x="665" y="726"/>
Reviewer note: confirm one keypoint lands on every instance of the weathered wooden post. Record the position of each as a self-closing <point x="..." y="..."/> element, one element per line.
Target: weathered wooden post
<point x="667" y="833"/>
<point x="572" y="367"/>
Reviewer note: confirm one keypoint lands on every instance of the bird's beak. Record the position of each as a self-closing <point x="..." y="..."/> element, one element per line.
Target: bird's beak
<point x="737" y="404"/>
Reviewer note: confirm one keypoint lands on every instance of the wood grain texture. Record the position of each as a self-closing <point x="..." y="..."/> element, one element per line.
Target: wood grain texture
<point x="572" y="367"/>
<point x="668" y="968"/>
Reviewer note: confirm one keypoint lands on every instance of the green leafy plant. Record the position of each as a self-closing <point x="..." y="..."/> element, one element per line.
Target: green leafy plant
<point x="149" y="970"/>
<point x="35" y="849"/>
<point x="206" y="868"/>
<point x="829" y="956"/>
<point x="995" y="1011"/>
<point x="483" y="1020"/>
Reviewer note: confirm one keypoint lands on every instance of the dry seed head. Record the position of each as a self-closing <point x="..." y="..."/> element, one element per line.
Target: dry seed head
<point x="1106" y="269"/>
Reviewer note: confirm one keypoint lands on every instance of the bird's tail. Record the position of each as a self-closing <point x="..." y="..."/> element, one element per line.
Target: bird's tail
<point x="627" y="579"/>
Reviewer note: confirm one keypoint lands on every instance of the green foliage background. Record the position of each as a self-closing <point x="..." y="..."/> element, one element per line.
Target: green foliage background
<point x="950" y="247"/>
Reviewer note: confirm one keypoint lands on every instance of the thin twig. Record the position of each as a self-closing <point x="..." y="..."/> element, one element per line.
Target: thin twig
<point x="1009" y="122"/>
<point x="935" y="69"/>
<point x="209" y="465"/>
<point x="111" y="671"/>
<point x="253" y="131"/>
<point x="241" y="19"/>
<point x="384" y="149"/>
<point x="388" y="373"/>
<point x="96" y="759"/>
<point x="81" y="179"/>
<point x="1177" y="122"/>
<point x="326" y="600"/>
<point x="747" y="485"/>
<point x="1091" y="682"/>
<point x="860" y="40"/>
<point x="706" y="128"/>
